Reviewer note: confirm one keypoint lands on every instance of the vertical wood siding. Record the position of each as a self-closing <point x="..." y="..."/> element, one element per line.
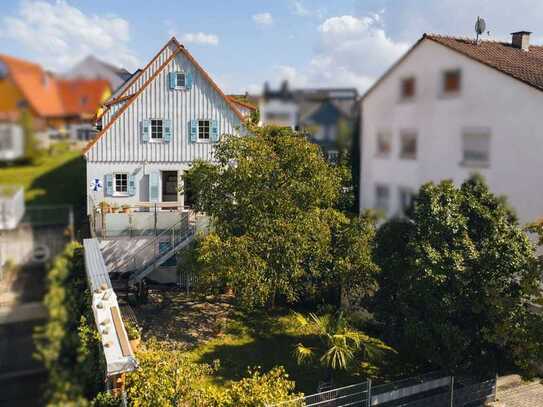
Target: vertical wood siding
<point x="122" y="141"/>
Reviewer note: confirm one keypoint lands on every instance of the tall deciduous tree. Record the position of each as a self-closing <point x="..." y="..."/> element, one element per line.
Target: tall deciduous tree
<point x="272" y="197"/>
<point x="458" y="280"/>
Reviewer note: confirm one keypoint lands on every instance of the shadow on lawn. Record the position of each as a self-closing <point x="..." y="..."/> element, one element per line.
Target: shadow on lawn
<point x="64" y="184"/>
<point x="267" y="345"/>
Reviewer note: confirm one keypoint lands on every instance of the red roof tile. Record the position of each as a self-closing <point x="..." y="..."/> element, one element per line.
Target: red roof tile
<point x="526" y="66"/>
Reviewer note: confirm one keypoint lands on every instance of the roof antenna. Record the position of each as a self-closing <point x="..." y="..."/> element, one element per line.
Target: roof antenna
<point x="480" y="27"/>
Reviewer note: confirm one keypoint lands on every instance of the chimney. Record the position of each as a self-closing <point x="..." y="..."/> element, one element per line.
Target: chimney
<point x="521" y="39"/>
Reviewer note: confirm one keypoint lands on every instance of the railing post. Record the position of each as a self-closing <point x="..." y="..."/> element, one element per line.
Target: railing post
<point x="155" y="220"/>
<point x="451" y="392"/>
<point x="369" y="392"/>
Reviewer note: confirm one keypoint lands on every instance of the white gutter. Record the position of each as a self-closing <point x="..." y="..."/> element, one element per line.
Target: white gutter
<point x="116" y="346"/>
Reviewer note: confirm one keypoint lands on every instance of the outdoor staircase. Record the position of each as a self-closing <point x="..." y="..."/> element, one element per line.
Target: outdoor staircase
<point x="177" y="237"/>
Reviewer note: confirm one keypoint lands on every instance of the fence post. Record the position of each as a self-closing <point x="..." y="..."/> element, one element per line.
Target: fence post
<point x="451" y="392"/>
<point x="369" y="392"/>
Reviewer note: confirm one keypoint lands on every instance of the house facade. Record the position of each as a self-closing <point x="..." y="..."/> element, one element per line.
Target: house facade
<point x="449" y="108"/>
<point x="328" y="116"/>
<point x="167" y="116"/>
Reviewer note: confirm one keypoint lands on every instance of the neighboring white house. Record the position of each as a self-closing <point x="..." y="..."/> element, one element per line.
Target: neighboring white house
<point x="451" y="107"/>
<point x="168" y="115"/>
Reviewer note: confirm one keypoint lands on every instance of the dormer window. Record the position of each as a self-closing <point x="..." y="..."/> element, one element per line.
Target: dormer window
<point x="407" y="88"/>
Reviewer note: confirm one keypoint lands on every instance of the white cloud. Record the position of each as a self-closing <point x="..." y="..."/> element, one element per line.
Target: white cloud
<point x="299" y="9"/>
<point x="200" y="38"/>
<point x="60" y="35"/>
<point x="352" y="51"/>
<point x="263" y="19"/>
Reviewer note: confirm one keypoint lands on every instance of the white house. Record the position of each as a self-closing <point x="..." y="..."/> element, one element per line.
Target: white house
<point x="450" y="107"/>
<point x="168" y="115"/>
<point x="11" y="139"/>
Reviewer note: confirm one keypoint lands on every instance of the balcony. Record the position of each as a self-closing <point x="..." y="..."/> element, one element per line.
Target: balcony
<point x="138" y="220"/>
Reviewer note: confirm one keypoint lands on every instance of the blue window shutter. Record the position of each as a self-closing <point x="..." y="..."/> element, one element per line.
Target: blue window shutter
<point x="188" y="80"/>
<point x="214" y="131"/>
<point x="145" y="130"/>
<point x="154" y="179"/>
<point x="131" y="185"/>
<point x="109" y="185"/>
<point x="193" y="131"/>
<point x="167" y="127"/>
<point x="172" y="80"/>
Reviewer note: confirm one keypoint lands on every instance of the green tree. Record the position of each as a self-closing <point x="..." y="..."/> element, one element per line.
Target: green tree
<point x="457" y="281"/>
<point x="271" y="196"/>
<point x="340" y="344"/>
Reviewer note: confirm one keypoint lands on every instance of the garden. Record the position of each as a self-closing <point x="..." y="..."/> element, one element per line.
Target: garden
<point x="295" y="291"/>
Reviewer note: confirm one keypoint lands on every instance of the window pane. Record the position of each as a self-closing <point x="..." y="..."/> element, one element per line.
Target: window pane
<point x="451" y="81"/>
<point x="203" y="129"/>
<point x="406" y="196"/>
<point x="180" y="80"/>
<point x="408" y="88"/>
<point x="476" y="147"/>
<point x="384" y="143"/>
<point x="121" y="183"/>
<point x="6" y="141"/>
<point x="408" y="146"/>
<point x="382" y="197"/>
<point x="156" y="129"/>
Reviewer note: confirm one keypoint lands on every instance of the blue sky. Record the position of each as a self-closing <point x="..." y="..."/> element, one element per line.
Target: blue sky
<point x="244" y="43"/>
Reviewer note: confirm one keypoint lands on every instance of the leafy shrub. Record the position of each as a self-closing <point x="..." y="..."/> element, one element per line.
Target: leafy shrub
<point x="68" y="344"/>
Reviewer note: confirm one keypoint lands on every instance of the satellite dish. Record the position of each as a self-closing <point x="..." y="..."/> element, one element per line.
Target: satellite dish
<point x="480" y="26"/>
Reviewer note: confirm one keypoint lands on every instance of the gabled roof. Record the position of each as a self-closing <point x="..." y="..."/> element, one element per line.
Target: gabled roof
<point x="131" y="98"/>
<point x="82" y="97"/>
<point x="525" y="66"/>
<point x="38" y="86"/>
<point x="237" y="101"/>
<point x="93" y="68"/>
<point x="49" y="96"/>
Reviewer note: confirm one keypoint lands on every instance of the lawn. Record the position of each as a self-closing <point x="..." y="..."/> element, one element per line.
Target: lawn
<point x="57" y="178"/>
<point x="213" y="329"/>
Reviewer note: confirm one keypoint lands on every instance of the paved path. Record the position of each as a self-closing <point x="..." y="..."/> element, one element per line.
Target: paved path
<point x="520" y="394"/>
<point x="22" y="312"/>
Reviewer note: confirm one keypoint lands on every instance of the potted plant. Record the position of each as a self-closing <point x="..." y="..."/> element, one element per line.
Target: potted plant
<point x="125" y="208"/>
<point x="114" y="208"/>
<point x="105" y="207"/>
<point x="134" y="334"/>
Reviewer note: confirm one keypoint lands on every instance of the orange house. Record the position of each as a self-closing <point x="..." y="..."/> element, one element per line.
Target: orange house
<point x="59" y="108"/>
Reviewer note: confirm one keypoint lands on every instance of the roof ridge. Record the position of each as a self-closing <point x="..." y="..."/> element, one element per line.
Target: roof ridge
<point x="431" y="35"/>
<point x="179" y="48"/>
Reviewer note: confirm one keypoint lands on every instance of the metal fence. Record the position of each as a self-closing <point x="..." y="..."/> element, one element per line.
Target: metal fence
<point x="355" y="395"/>
<point x="431" y="390"/>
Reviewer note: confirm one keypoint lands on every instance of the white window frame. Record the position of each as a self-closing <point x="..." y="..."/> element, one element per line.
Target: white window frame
<point x="115" y="191"/>
<point x="386" y="207"/>
<point x="408" y="133"/>
<point x="156" y="139"/>
<point x="200" y="139"/>
<point x="378" y="152"/>
<point x="177" y="86"/>
<point x="471" y="162"/>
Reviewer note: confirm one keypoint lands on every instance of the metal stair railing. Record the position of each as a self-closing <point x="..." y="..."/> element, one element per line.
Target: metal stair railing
<point x="149" y="256"/>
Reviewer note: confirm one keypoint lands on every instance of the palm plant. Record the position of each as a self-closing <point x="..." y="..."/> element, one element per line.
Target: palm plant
<point x="340" y="344"/>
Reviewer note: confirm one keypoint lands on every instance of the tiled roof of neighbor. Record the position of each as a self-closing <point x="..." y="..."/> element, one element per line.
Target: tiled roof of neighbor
<point x="49" y="96"/>
<point x="526" y="66"/>
<point x="82" y="96"/>
<point x="37" y="85"/>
